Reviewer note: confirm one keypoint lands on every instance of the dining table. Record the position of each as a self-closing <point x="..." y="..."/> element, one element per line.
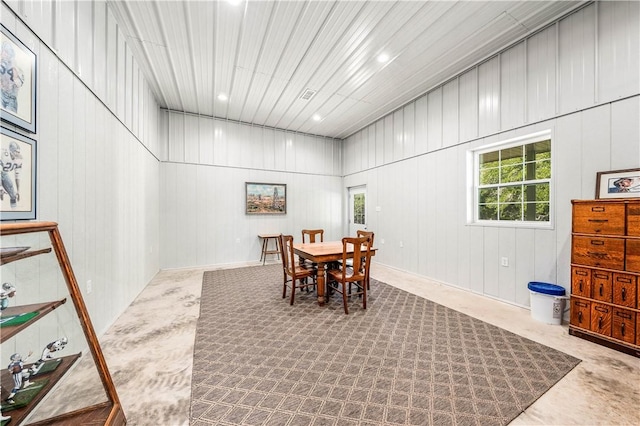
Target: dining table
<point x="323" y="254"/>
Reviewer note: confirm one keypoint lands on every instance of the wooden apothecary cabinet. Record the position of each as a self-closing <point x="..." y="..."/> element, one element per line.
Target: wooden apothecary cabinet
<point x="605" y="273"/>
<point x="74" y="385"/>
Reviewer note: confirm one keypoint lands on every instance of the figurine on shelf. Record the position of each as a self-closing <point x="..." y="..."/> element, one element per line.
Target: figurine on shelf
<point x="19" y="374"/>
<point x="55" y="346"/>
<point x="8" y="290"/>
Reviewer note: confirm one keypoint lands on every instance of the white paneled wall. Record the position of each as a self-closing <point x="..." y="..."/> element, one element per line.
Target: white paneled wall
<point x="579" y="77"/>
<point x="202" y="200"/>
<point x="97" y="175"/>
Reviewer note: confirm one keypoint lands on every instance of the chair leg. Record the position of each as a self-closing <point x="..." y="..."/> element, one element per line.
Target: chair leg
<point x="344" y="299"/>
<point x="284" y="289"/>
<point x="293" y="291"/>
<point x="364" y="295"/>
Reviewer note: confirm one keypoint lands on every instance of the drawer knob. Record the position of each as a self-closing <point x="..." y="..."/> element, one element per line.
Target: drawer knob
<point x="624" y="294"/>
<point x="600" y="323"/>
<point x="601" y="290"/>
<point x="581" y="289"/>
<point x="579" y="317"/>
<point x="622" y="329"/>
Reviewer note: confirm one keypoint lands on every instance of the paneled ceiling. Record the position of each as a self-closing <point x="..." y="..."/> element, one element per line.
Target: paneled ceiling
<point x="264" y="55"/>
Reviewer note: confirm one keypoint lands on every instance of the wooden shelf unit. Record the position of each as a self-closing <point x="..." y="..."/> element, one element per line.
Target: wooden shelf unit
<point x="605" y="273"/>
<point x="107" y="413"/>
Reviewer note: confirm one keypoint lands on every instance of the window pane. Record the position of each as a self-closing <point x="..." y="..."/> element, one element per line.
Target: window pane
<point x="536" y="192"/>
<point x="511" y="194"/>
<point x="511" y="156"/>
<point x="358" y="209"/>
<point x="488" y="212"/>
<point x="489" y="176"/>
<point x="488" y="195"/>
<point x="537" y="212"/>
<point x="488" y="159"/>
<point x="511" y="211"/>
<point x="543" y="169"/>
<point x="511" y="174"/>
<point x="542" y="150"/>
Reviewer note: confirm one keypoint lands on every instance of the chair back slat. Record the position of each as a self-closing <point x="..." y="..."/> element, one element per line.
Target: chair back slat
<point x="313" y="235"/>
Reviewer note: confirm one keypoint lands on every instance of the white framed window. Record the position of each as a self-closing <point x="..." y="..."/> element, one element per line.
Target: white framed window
<point x="512" y="182"/>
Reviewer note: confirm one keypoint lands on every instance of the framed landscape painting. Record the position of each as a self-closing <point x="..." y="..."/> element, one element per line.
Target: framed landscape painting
<point x="266" y="198"/>
<point x="17" y="82"/>
<point x="18" y="189"/>
<point x="618" y="184"/>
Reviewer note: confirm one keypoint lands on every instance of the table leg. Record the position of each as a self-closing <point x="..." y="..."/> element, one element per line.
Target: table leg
<point x="320" y="284"/>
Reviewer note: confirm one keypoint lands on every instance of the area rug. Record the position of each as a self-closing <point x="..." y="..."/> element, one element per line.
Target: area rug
<point x="403" y="360"/>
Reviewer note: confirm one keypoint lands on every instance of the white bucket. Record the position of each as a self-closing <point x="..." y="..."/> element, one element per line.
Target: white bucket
<point x="546" y="308"/>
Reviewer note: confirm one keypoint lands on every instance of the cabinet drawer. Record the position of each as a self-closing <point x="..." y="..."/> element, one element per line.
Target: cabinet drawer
<point x="624" y="325"/>
<point x="581" y="313"/>
<point x="602" y="285"/>
<point x="601" y="316"/>
<point x="600" y="252"/>
<point x="581" y="281"/>
<point x="599" y="218"/>
<point x="625" y="290"/>
<point x="633" y="219"/>
<point x="633" y="256"/>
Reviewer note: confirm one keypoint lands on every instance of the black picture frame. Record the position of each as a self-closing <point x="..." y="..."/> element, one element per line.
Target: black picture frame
<point x="18" y="76"/>
<point x="618" y="184"/>
<point x="265" y="198"/>
<point x="18" y="179"/>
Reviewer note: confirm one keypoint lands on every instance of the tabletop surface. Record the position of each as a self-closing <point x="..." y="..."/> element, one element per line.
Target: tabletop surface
<point x="323" y="249"/>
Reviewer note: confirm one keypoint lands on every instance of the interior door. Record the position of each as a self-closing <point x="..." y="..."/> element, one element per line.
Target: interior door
<point x="357" y="209"/>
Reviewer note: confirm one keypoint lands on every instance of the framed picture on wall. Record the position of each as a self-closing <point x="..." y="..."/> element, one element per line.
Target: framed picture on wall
<point x="17" y="82"/>
<point x="618" y="184"/>
<point x="18" y="189"/>
<point x="265" y="198"/>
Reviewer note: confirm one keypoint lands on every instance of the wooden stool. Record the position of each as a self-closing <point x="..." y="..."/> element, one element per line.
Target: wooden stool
<point x="265" y="246"/>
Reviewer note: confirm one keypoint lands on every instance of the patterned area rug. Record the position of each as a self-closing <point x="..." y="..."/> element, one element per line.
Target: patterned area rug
<point x="403" y="360"/>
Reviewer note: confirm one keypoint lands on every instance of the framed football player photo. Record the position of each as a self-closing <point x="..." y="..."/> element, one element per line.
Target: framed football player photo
<point x="17" y="82"/>
<point x="18" y="164"/>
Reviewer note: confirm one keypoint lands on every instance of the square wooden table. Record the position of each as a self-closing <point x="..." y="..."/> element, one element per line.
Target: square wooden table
<point x="322" y="254"/>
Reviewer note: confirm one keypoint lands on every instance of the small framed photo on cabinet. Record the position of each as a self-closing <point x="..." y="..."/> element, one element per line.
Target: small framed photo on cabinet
<point x="618" y="184"/>
<point x="18" y="189"/>
<point x="17" y="82"/>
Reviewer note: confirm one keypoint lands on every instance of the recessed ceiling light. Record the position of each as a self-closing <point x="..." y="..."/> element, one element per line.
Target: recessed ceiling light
<point x="222" y="97"/>
<point x="317" y="117"/>
<point x="383" y="57"/>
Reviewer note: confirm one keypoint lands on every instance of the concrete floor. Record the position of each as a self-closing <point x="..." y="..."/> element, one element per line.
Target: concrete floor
<point x="149" y="352"/>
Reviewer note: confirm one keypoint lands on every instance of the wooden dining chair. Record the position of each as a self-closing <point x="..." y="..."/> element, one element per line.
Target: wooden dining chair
<point x="311" y="236"/>
<point x="294" y="275"/>
<point x="342" y="279"/>
<point x="363" y="233"/>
